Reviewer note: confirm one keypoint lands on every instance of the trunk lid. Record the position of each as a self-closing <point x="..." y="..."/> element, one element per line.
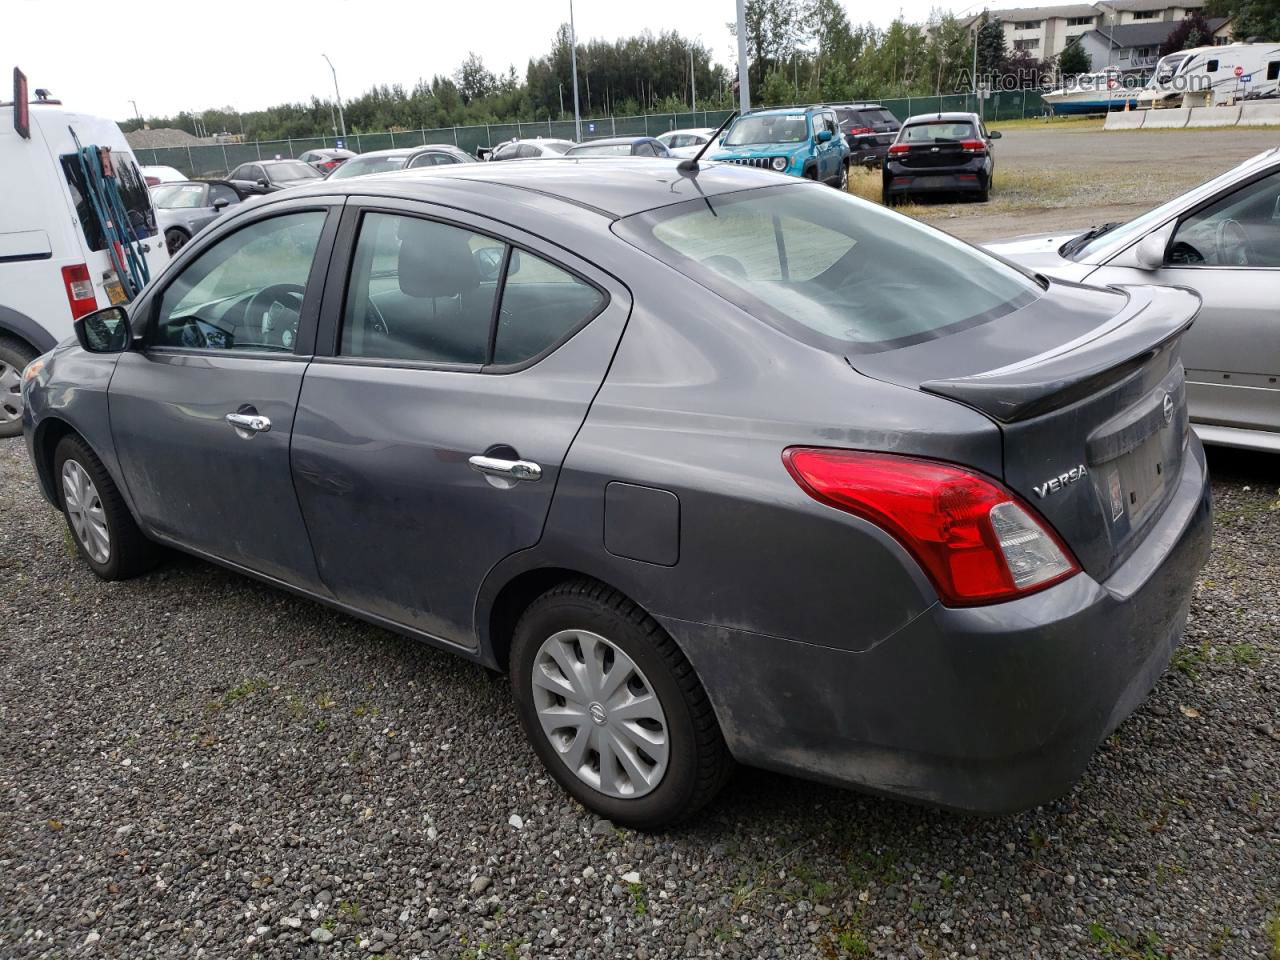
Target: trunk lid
<point x="944" y="153"/>
<point x="1086" y="386"/>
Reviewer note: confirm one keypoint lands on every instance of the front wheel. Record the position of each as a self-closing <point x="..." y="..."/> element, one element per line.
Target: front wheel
<point x="101" y="525"/>
<point x="613" y="709"/>
<point x="175" y="240"/>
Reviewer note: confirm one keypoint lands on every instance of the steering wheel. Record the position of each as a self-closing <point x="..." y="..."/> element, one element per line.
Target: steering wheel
<point x="273" y="313"/>
<point x="1233" y="245"/>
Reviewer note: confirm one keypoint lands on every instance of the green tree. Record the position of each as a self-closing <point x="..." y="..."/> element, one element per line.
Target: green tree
<point x="1074" y="60"/>
<point x="1253" y="18"/>
<point x="993" y="53"/>
<point x="475" y="81"/>
<point x="1193" y="31"/>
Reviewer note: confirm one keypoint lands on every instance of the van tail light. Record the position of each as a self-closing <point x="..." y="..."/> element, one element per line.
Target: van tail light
<point x="899" y="149"/>
<point x="975" y="147"/>
<point x="80" y="293"/>
<point x="975" y="539"/>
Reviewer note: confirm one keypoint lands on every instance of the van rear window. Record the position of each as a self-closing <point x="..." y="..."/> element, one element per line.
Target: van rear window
<point x="133" y="194"/>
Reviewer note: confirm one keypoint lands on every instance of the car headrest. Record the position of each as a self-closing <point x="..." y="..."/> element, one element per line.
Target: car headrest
<point x="435" y="260"/>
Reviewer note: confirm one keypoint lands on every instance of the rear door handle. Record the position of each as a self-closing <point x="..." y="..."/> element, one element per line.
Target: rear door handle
<point x="253" y="422"/>
<point x="507" y="469"/>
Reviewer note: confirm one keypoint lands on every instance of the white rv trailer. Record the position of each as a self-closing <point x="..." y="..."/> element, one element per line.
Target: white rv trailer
<point x="1213" y="76"/>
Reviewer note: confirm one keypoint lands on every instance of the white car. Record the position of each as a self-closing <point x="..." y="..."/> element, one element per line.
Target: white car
<point x="156" y="175"/>
<point x="55" y="262"/>
<point x="687" y="143"/>
<point x="534" y="149"/>
<point x="1221" y="240"/>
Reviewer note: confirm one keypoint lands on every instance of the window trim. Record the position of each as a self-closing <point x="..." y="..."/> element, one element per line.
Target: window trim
<point x="1180" y="220"/>
<point x="342" y="267"/>
<point x="308" y="319"/>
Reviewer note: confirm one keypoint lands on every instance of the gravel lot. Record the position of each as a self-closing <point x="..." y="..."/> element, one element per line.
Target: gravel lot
<point x="194" y="765"/>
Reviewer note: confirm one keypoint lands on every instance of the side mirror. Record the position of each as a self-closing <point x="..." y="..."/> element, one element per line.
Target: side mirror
<point x="994" y="134"/>
<point x="263" y="183"/>
<point x="1149" y="252"/>
<point x="104" y="331"/>
<point x="824" y="136"/>
<point x="221" y="204"/>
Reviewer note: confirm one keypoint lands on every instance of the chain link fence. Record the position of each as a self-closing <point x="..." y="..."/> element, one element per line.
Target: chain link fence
<point x="219" y="159"/>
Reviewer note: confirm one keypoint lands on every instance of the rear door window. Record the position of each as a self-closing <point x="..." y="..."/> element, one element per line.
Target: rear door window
<point x="134" y="199"/>
<point x="541" y="303"/>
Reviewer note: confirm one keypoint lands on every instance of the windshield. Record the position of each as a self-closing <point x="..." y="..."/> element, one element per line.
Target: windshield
<point x="1130" y="231"/>
<point x="937" y="132"/>
<point x="829" y="269"/>
<point x="293" y="170"/>
<point x="770" y="128"/>
<point x="359" y="166"/>
<point x="601" y="150"/>
<point x="177" y="196"/>
<point x="864" y="118"/>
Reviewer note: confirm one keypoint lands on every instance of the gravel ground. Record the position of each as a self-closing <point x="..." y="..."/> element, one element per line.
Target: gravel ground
<point x="194" y="765"/>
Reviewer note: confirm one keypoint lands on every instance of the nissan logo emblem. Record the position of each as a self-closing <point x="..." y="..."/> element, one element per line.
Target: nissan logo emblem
<point x="1168" y="408"/>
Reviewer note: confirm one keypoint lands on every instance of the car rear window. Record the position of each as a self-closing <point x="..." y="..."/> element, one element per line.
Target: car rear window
<point x="601" y="150"/>
<point x="133" y="194"/>
<point x="829" y="269"/>
<point x="938" y="131"/>
<point x="359" y="166"/>
<point x="177" y="196"/>
<point x="293" y="170"/>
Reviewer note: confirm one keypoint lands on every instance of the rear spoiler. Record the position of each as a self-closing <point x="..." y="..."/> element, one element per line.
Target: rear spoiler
<point x="1151" y="319"/>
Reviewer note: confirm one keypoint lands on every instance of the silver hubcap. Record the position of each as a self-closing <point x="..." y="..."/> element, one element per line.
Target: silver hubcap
<point x="84" y="509"/>
<point x="10" y="393"/>
<point x="600" y="714"/>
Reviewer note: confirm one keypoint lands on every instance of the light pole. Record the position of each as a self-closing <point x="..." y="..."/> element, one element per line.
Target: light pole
<point x="744" y="81"/>
<point x="693" y="84"/>
<point x="573" y="63"/>
<point x="342" y="120"/>
<point x="137" y="114"/>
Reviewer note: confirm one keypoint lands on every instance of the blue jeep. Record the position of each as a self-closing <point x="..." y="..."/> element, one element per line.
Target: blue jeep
<point x="800" y="141"/>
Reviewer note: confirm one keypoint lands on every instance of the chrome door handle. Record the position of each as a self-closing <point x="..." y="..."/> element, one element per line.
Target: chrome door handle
<point x="508" y="469"/>
<point x="254" y="423"/>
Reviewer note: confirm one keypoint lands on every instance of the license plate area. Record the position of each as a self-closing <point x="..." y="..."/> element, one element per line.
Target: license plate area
<point x="1143" y="474"/>
<point x="115" y="292"/>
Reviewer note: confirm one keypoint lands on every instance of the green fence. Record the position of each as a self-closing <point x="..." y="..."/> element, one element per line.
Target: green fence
<point x="218" y="159"/>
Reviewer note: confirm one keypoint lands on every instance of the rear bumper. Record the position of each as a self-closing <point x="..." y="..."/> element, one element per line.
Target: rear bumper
<point x="989" y="709"/>
<point x="941" y="181"/>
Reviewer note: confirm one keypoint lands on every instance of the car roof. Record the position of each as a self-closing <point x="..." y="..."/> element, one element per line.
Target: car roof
<point x="609" y="141"/>
<point x="857" y="106"/>
<point x="613" y="187"/>
<point x="782" y="110"/>
<point x="953" y="117"/>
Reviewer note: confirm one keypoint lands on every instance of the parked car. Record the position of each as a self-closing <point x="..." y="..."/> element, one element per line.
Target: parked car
<point x="620" y="147"/>
<point x="401" y="158"/>
<point x="717" y="464"/>
<point x="801" y="142"/>
<point x="869" y="129"/>
<point x="686" y="143"/>
<point x="328" y="159"/>
<point x="271" y="176"/>
<point x="55" y="262"/>
<point x="535" y="149"/>
<point x="156" y="175"/>
<point x="184" y="209"/>
<point x="1222" y="240"/>
<point x="940" y="153"/>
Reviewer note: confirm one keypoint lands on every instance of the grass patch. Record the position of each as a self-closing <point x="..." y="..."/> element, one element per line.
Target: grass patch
<point x="1145" y="946"/>
<point x="1272" y="930"/>
<point x="240" y="692"/>
<point x="639" y="900"/>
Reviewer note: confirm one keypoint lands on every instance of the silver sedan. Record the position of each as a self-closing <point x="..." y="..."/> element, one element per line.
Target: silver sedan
<point x="185" y="208"/>
<point x="1222" y="240"/>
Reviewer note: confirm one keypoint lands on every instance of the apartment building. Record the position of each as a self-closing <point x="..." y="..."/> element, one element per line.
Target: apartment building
<point x="1044" y="32"/>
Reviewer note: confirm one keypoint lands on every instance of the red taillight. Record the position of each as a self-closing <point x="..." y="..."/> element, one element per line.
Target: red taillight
<point x="80" y="293"/>
<point x="898" y="149"/>
<point x="328" y="164"/>
<point x="975" y="539"/>
<point x="152" y="181"/>
<point x="859" y="131"/>
<point x="975" y="147"/>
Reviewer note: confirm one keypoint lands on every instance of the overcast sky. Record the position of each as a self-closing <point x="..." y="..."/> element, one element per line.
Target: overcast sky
<point x="191" y="55"/>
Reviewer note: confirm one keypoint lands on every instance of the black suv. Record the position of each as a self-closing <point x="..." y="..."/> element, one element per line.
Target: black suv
<point x="868" y="128"/>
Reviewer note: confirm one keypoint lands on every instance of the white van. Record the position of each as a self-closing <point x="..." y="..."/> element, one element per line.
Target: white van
<point x="54" y="261"/>
<point x="1213" y="76"/>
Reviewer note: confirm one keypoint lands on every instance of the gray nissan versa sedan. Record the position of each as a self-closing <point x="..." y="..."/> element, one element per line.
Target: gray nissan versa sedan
<point x="718" y="465"/>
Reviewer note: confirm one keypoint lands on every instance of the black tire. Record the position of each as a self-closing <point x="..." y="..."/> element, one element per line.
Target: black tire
<point x="129" y="552"/>
<point x="842" y="181"/>
<point x="14" y="357"/>
<point x="698" y="761"/>
<point x="175" y="240"/>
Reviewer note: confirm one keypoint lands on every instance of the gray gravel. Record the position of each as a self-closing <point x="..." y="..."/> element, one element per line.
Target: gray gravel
<point x="194" y="765"/>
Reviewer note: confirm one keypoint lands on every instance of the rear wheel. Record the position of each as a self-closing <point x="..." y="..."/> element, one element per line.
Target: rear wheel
<point x="14" y="357"/>
<point x="843" y="183"/>
<point x="101" y="525"/>
<point x="613" y="708"/>
<point x="175" y="240"/>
